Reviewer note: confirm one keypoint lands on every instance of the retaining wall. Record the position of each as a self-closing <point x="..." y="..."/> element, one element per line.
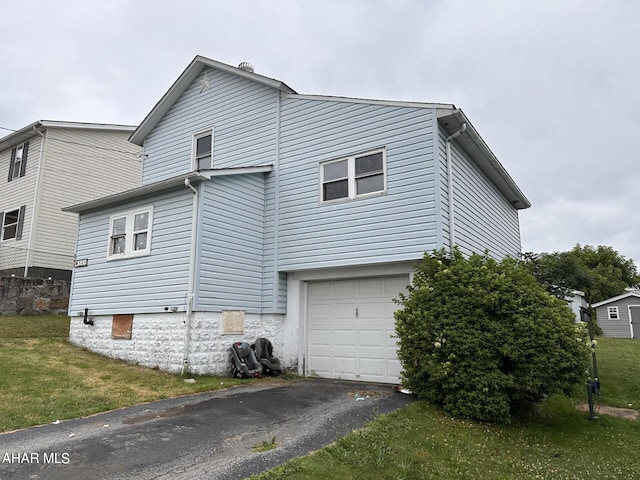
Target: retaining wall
<point x="33" y="296"/>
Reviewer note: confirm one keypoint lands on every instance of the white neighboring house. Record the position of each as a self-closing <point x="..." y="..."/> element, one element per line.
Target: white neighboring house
<point x="576" y="301"/>
<point x="50" y="164"/>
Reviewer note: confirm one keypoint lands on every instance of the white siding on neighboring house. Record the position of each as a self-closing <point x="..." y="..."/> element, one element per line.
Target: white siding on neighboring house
<point x="484" y="218"/>
<point x="80" y="165"/>
<point x="395" y="226"/>
<point x="147" y="284"/>
<point x="13" y="195"/>
<point x="241" y="112"/>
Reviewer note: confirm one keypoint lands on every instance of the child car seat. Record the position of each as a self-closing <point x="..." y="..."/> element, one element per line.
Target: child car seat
<point x="264" y="354"/>
<point x="243" y="361"/>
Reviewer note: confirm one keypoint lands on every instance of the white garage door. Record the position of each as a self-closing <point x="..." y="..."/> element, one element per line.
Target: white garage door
<point x="350" y="323"/>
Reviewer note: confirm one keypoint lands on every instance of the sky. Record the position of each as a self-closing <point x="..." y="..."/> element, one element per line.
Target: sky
<point x="551" y="85"/>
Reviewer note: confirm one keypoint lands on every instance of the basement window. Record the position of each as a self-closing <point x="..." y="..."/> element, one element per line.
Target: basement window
<point x="130" y="234"/>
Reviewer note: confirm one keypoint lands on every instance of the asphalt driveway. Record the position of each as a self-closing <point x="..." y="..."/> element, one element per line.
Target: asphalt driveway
<point x="203" y="436"/>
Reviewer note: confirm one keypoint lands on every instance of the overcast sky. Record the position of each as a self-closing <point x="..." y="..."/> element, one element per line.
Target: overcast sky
<point x="551" y="85"/>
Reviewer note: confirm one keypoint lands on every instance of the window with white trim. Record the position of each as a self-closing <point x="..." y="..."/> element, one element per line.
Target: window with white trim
<point x="613" y="313"/>
<point x="18" y="163"/>
<point x="130" y="233"/>
<point x="12" y="222"/>
<point x="353" y="177"/>
<point x="203" y="150"/>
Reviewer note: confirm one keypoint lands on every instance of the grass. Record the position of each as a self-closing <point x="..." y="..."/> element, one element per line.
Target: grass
<point x="44" y="378"/>
<point x="555" y="442"/>
<point x="265" y="446"/>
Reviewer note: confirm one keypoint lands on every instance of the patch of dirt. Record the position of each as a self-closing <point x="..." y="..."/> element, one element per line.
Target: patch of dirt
<point x="627" y="413"/>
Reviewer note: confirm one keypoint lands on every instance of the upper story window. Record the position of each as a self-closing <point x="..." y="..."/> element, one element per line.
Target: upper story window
<point x="613" y="313"/>
<point x="12" y="223"/>
<point x="18" y="164"/>
<point x="203" y="150"/>
<point x="130" y="233"/>
<point x="353" y="177"/>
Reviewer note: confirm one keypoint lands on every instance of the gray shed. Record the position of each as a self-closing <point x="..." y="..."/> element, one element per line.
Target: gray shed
<point x="620" y="316"/>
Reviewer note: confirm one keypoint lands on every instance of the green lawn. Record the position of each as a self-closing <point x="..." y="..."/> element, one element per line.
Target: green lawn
<point x="43" y="378"/>
<point x="556" y="442"/>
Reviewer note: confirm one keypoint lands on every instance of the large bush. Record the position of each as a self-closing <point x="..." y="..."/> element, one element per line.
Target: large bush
<point x="482" y="337"/>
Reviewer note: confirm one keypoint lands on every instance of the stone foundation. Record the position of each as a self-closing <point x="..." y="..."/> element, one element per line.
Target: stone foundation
<point x="158" y="340"/>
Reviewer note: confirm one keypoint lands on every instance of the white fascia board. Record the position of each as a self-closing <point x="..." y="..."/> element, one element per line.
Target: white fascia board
<point x="615" y="299"/>
<point x="219" y="172"/>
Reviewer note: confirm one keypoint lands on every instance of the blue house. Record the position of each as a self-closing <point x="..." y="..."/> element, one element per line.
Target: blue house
<point x="264" y="212"/>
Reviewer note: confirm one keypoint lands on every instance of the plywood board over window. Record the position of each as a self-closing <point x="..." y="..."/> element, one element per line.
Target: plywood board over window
<point x="121" y="326"/>
<point x="232" y="322"/>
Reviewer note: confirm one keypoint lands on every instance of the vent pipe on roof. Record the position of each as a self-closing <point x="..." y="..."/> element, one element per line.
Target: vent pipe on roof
<point x="247" y="67"/>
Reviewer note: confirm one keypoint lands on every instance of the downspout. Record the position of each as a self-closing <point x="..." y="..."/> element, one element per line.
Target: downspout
<point x="36" y="202"/>
<point x="452" y="223"/>
<point x="276" y="211"/>
<point x="192" y="271"/>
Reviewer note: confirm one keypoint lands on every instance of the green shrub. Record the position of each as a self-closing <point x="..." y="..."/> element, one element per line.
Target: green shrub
<point x="481" y="338"/>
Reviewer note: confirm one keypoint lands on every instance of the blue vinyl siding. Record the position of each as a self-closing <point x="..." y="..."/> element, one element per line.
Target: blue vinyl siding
<point x="484" y="218"/>
<point x="399" y="225"/>
<point x="141" y="284"/>
<point x="241" y="112"/>
<point x="231" y="251"/>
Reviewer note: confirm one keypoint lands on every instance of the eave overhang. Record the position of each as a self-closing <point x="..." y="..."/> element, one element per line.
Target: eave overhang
<point x="451" y="120"/>
<point x="161" y="186"/>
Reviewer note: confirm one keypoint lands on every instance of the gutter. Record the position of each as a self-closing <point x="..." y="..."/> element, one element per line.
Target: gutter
<point x="192" y="272"/>
<point x="452" y="223"/>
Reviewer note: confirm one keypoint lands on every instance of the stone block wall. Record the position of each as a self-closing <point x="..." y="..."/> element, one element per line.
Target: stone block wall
<point x="33" y="296"/>
<point x="158" y="340"/>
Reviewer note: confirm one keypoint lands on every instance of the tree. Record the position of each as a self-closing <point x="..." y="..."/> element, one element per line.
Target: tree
<point x="600" y="272"/>
<point x="481" y="337"/>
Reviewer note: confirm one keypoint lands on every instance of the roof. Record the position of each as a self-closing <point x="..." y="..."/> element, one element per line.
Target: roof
<point x="163" y="185"/>
<point x="31" y="130"/>
<point x="183" y="82"/>
<point x="451" y="119"/>
<point x="634" y="293"/>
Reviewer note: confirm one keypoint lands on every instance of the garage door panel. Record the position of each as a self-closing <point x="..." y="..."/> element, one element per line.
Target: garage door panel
<point x="344" y="365"/>
<point x="320" y="311"/>
<point x="345" y="338"/>
<point x="322" y="365"/>
<point x="371" y="338"/>
<point x="359" y="315"/>
<point x="320" y="337"/>
<point x="371" y="311"/>
<point x="372" y="367"/>
<point x="371" y="286"/>
<point x="344" y="311"/>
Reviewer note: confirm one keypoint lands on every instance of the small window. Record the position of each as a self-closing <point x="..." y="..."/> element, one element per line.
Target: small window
<point x="18" y="163"/>
<point x="12" y="222"/>
<point x="613" y="313"/>
<point x="353" y="177"/>
<point x="130" y="234"/>
<point x="203" y="150"/>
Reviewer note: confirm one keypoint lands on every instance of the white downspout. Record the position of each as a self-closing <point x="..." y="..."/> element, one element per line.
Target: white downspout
<point x="452" y="223"/>
<point x="192" y="271"/>
<point x="36" y="202"/>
